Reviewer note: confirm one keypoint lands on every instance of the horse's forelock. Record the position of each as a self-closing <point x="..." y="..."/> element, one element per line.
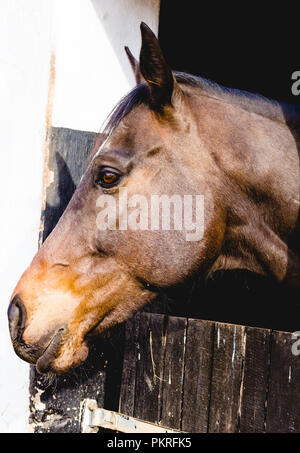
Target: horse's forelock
<point x="137" y="96"/>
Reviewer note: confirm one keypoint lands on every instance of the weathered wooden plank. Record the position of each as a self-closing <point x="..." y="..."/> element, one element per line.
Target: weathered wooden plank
<point x="255" y="381"/>
<point x="197" y="376"/>
<point x="172" y="384"/>
<point x="149" y="367"/>
<point x="126" y="404"/>
<point x="226" y="378"/>
<point x="219" y="376"/>
<point x="283" y="404"/>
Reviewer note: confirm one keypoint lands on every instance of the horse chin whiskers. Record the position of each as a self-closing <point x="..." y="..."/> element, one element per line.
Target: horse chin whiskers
<point x="49" y="379"/>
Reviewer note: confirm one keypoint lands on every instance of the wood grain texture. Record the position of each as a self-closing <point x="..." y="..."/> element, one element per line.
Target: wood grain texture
<point x="197" y="375"/>
<point x="149" y="367"/>
<point x="255" y="381"/>
<point x="172" y="384"/>
<point x="229" y="346"/>
<point x="201" y="376"/>
<point x="283" y="405"/>
<point x="126" y="403"/>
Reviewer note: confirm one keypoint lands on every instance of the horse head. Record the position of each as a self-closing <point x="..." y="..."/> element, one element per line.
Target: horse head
<point x="116" y="244"/>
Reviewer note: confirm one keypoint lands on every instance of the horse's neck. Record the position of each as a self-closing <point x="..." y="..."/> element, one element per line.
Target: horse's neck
<point x="257" y="156"/>
<point x="254" y="103"/>
<point x="277" y="119"/>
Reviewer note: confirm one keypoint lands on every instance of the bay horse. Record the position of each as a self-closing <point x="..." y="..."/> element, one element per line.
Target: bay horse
<point x="174" y="133"/>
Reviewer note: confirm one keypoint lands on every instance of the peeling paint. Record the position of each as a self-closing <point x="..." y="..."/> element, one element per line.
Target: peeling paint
<point x="36" y="399"/>
<point x="48" y="175"/>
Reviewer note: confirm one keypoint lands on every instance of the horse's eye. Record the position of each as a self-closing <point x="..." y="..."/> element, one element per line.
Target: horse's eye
<point x="108" y="178"/>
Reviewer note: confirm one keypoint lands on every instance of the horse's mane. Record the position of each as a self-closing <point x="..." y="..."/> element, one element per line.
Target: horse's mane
<point x="252" y="102"/>
<point x="256" y="103"/>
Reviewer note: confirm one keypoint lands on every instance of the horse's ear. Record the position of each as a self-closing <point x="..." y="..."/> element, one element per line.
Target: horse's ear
<point x="135" y="66"/>
<point x="155" y="70"/>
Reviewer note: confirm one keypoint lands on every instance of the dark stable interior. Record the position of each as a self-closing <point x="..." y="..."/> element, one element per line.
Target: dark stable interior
<point x="239" y="46"/>
<point x="250" y="49"/>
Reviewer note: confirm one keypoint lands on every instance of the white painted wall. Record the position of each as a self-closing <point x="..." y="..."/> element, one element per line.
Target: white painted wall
<point x="24" y="72"/>
<point x="92" y="73"/>
<point x="92" y="69"/>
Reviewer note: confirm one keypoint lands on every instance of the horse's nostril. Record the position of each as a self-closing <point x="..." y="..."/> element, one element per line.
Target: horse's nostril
<point x="16" y="318"/>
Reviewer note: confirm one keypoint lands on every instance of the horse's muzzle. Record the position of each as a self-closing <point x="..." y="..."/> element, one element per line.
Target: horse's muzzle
<point x="40" y="355"/>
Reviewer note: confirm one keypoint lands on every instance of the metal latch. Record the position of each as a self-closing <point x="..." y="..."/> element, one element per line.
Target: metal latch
<point x="94" y="417"/>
